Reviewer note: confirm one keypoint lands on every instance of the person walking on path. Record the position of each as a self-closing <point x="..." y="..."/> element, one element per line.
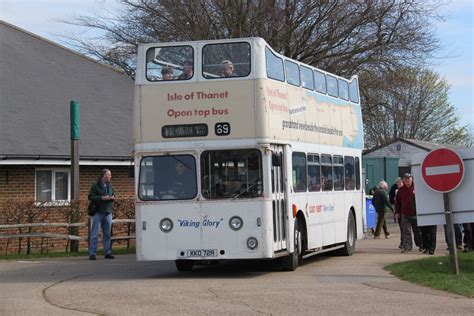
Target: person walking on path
<point x="102" y="194"/>
<point x="393" y="193"/>
<point x="406" y="210"/>
<point x="381" y="202"/>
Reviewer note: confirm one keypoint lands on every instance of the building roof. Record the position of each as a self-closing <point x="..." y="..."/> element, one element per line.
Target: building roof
<point x="425" y="145"/>
<point x="38" y="79"/>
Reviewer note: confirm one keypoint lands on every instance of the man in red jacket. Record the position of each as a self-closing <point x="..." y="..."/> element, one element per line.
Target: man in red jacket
<point x="406" y="210"/>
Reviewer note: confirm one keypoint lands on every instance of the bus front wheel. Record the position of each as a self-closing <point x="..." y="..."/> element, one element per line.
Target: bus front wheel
<point x="291" y="262"/>
<point x="184" y="265"/>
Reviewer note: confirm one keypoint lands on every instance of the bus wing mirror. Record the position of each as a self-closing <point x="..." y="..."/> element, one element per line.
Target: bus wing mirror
<point x="276" y="161"/>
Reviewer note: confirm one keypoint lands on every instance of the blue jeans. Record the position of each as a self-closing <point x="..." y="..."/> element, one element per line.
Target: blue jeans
<point x="104" y="220"/>
<point x="457" y="234"/>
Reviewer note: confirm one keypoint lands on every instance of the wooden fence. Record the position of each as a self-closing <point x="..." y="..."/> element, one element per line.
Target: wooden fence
<point x="20" y="235"/>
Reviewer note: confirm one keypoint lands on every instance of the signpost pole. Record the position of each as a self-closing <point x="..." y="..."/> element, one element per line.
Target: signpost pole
<point x="75" y="137"/>
<point x="453" y="258"/>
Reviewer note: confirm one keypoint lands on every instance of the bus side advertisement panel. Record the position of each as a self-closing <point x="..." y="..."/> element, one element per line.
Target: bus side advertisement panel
<point x="296" y="114"/>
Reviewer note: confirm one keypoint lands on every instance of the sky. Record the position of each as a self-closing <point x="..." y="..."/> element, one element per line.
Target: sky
<point x="456" y="34"/>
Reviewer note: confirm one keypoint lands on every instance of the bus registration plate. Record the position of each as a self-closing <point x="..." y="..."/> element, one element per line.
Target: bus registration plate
<point x="201" y="253"/>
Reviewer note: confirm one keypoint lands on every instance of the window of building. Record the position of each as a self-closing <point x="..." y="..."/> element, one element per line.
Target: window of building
<point x="292" y="73"/>
<point x="354" y="91"/>
<point x="349" y="173"/>
<point x="326" y="172"/>
<point x="229" y="60"/>
<point x="299" y="177"/>
<point x="307" y="78"/>
<point x="167" y="178"/>
<point x="320" y="81"/>
<point x="314" y="173"/>
<point x="332" y="86"/>
<point x="169" y="63"/>
<point x="52" y="185"/>
<point x="343" y="89"/>
<point x="275" y="69"/>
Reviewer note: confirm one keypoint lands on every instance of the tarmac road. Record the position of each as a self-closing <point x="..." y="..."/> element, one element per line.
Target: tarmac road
<point x="323" y="285"/>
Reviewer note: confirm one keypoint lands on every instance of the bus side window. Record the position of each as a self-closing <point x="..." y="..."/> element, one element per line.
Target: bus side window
<point x="326" y="173"/>
<point x="343" y="89"/>
<point x="357" y="173"/>
<point x="307" y="78"/>
<point x="354" y="91"/>
<point x="338" y="173"/>
<point x="275" y="69"/>
<point x="332" y="86"/>
<point x="299" y="172"/>
<point x="314" y="173"/>
<point x="349" y="173"/>
<point x="292" y="73"/>
<point x="320" y="81"/>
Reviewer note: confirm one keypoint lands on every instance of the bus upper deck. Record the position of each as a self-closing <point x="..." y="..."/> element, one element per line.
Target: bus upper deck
<point x="240" y="89"/>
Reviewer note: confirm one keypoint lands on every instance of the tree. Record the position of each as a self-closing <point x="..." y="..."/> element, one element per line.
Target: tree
<point x="411" y="102"/>
<point x="343" y="37"/>
<point x="370" y="38"/>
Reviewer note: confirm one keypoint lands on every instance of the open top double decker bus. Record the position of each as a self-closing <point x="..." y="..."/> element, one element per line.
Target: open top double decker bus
<point x="242" y="153"/>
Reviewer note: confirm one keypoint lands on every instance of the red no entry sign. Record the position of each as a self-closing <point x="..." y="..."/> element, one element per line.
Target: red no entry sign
<point x="442" y="170"/>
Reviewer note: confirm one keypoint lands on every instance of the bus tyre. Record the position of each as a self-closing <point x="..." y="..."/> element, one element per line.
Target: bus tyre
<point x="291" y="262"/>
<point x="184" y="265"/>
<point x="349" y="245"/>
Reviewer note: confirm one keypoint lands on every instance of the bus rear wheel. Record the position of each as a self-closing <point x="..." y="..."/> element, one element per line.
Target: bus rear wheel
<point x="184" y="265"/>
<point x="292" y="261"/>
<point x="349" y="245"/>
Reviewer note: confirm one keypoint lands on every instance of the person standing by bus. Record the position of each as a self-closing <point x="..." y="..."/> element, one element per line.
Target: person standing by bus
<point x="406" y="210"/>
<point x="102" y="194"/>
<point x="393" y="193"/>
<point x="380" y="202"/>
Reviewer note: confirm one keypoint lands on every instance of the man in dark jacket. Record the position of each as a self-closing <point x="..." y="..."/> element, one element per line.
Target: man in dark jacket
<point x="380" y="202"/>
<point x="406" y="210"/>
<point x="102" y="194"/>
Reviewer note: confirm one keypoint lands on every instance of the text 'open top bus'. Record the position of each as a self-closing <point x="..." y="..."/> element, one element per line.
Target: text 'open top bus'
<point x="242" y="153"/>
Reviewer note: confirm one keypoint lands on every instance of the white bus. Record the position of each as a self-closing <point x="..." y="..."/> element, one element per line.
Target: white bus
<point x="242" y="153"/>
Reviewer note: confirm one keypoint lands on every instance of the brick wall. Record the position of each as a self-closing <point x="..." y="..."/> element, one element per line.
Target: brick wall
<point x="18" y="182"/>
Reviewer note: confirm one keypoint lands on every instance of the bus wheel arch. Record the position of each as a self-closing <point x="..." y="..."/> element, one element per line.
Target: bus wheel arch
<point x="303" y="230"/>
<point x="293" y="260"/>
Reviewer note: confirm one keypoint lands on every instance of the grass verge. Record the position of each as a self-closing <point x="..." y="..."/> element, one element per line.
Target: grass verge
<point x="435" y="272"/>
<point x="61" y="254"/>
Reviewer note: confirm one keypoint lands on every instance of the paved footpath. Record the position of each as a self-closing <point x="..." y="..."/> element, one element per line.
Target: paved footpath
<point x="354" y="285"/>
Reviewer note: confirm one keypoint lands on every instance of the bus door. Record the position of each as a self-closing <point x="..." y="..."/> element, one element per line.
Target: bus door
<point x="278" y="195"/>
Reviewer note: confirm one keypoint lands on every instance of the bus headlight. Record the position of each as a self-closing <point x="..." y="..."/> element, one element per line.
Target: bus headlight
<point x="252" y="243"/>
<point x="236" y="223"/>
<point x="166" y="225"/>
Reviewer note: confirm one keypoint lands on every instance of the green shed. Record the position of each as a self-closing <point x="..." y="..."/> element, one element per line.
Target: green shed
<point x="377" y="169"/>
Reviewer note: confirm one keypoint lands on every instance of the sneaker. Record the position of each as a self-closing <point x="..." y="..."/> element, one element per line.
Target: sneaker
<point x="92" y="257"/>
<point x="387" y="236"/>
<point x="406" y="250"/>
<point x="459" y="247"/>
<point x="425" y="251"/>
<point x="431" y="252"/>
<point x="109" y="256"/>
